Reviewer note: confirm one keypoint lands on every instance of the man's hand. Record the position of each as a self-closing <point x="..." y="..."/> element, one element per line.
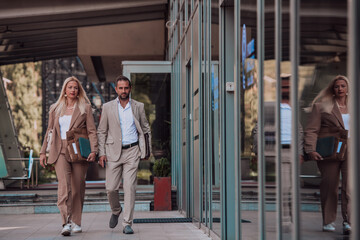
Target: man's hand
<point x="91" y="157"/>
<point x="315" y="156"/>
<point x="102" y="161"/>
<point x="43" y="161"/>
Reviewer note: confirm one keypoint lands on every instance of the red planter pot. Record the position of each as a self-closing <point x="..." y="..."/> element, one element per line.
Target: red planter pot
<point x="162" y="193"/>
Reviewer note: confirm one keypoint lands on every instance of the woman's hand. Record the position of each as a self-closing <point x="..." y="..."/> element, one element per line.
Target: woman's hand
<point x="43" y="161"/>
<point x="91" y="157"/>
<point x="315" y="156"/>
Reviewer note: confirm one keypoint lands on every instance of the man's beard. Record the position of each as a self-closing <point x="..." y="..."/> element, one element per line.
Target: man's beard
<point x="124" y="98"/>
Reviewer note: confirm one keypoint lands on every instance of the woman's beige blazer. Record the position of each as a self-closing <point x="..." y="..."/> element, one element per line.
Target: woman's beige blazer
<point x="320" y="122"/>
<point x="77" y="120"/>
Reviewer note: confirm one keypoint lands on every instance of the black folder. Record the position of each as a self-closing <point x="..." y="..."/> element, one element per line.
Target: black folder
<point x="325" y="146"/>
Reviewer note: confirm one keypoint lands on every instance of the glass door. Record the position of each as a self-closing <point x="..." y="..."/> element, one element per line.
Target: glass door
<point x="151" y="85"/>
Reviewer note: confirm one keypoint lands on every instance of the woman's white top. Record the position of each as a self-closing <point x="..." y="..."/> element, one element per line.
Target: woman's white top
<point x="64" y="123"/>
<point x="346" y="120"/>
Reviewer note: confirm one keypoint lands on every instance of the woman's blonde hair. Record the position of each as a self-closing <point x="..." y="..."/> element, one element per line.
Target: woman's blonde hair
<point x="326" y="96"/>
<point x="60" y="106"/>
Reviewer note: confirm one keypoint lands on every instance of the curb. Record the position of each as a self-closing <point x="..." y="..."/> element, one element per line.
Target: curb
<point x="42" y="208"/>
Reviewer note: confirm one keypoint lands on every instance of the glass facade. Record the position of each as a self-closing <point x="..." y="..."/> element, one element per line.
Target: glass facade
<point x="231" y="106"/>
<point x="153" y="89"/>
<point x="244" y="74"/>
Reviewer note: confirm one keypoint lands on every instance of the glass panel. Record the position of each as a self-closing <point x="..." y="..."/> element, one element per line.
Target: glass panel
<point x="178" y="30"/>
<point x="205" y="190"/>
<point x="215" y="198"/>
<point x="285" y="125"/>
<point x="270" y="129"/>
<point x="249" y="110"/>
<point x="323" y="56"/>
<point x="182" y="21"/>
<point x="197" y="119"/>
<point x="153" y="89"/>
<point x="215" y="128"/>
<point x="205" y="155"/>
<point x="189" y="8"/>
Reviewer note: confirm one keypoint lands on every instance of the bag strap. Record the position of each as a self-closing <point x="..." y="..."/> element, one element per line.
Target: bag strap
<point x="53" y="119"/>
<point x="334" y="131"/>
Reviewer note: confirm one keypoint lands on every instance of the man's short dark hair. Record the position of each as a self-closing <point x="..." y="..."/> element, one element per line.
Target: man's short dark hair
<point x="122" y="78"/>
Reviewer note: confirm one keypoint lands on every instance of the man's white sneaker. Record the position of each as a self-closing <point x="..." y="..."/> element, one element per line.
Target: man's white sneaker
<point x="328" y="228"/>
<point x="75" y="228"/>
<point x="66" y="231"/>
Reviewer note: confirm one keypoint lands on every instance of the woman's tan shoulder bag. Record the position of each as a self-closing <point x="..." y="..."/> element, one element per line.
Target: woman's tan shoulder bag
<point x="74" y="146"/>
<point x="49" y="140"/>
<point x="50" y="137"/>
<point x="332" y="145"/>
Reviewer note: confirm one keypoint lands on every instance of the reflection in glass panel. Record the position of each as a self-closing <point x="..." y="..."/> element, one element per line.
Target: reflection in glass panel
<point x="182" y="21"/>
<point x="248" y="110"/>
<point x="270" y="134"/>
<point x="205" y="114"/>
<point x="215" y="163"/>
<point x="215" y="198"/>
<point x="323" y="55"/>
<point x="189" y="8"/>
<point x="153" y="89"/>
<point x="197" y="120"/>
<point x="203" y="166"/>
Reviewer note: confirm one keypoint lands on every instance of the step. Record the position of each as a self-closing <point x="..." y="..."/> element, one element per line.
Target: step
<point x="46" y="197"/>
<point x="37" y="208"/>
<point x="270" y="206"/>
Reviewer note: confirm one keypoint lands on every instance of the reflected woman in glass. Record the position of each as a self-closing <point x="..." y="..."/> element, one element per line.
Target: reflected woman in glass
<point x="330" y="117"/>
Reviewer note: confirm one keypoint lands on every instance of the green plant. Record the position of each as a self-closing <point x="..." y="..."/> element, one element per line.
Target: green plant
<point x="162" y="167"/>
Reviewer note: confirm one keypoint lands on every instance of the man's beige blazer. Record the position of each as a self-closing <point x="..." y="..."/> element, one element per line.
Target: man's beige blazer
<point x="77" y="120"/>
<point x="109" y="130"/>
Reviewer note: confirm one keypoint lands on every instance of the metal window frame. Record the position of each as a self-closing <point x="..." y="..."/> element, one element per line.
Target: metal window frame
<point x="354" y="77"/>
<point x="237" y="119"/>
<point x="278" y="59"/>
<point x="261" y="118"/>
<point x="227" y="135"/>
<point x="294" y="58"/>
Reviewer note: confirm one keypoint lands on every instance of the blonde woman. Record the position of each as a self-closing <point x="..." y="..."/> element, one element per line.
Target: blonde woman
<point x="72" y="110"/>
<point x="330" y="115"/>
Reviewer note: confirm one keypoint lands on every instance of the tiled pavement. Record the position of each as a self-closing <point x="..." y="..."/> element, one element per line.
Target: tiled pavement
<point x="96" y="227"/>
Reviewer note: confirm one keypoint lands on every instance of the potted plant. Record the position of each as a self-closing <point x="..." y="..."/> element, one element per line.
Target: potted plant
<point x="162" y="185"/>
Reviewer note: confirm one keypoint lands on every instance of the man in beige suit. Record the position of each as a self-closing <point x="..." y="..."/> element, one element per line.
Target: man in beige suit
<point x="124" y="138"/>
<point x="285" y="141"/>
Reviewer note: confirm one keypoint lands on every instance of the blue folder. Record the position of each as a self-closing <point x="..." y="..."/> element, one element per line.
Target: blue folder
<point x="85" y="148"/>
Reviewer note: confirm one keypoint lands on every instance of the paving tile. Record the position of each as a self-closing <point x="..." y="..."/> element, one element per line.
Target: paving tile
<point x="95" y="227"/>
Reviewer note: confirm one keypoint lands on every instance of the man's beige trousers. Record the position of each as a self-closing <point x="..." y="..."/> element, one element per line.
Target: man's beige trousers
<point x="126" y="168"/>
